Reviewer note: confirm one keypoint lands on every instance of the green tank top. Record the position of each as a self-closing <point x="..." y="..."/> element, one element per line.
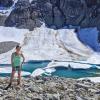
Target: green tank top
<point x="16" y="60"/>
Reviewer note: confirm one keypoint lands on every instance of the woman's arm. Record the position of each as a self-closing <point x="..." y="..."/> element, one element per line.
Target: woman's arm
<point x="12" y="59"/>
<point x="23" y="58"/>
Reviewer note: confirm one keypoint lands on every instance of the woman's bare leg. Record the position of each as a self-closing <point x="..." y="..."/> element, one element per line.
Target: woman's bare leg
<point x="19" y="77"/>
<point x="11" y="78"/>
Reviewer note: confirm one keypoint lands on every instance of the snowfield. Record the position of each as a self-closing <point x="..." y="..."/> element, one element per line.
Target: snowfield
<point x="49" y="44"/>
<point x="8" y="70"/>
<point x="42" y="43"/>
<point x="12" y="34"/>
<point x="93" y="79"/>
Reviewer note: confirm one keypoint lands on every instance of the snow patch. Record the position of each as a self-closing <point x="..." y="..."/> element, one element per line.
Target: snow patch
<point x="8" y="70"/>
<point x="8" y="11"/>
<point x="93" y="79"/>
<point x="12" y="34"/>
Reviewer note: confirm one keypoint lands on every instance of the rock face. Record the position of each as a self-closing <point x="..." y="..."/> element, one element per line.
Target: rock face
<point x="21" y="17"/>
<point x="58" y="13"/>
<point x="6" y="46"/>
<point x="50" y="88"/>
<point x="2" y="20"/>
<point x="6" y="3"/>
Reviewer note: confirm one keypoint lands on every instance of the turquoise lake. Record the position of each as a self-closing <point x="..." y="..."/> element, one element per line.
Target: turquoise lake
<point x="60" y="71"/>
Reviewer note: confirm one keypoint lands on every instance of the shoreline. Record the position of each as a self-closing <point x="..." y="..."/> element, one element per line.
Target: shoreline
<point x="50" y="88"/>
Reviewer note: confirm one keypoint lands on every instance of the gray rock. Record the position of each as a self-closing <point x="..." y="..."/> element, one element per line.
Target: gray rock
<point x="2" y="20"/>
<point x="21" y="16"/>
<point x="53" y="96"/>
<point x="55" y="14"/>
<point x="6" y="3"/>
<point x="78" y="98"/>
<point x="83" y="86"/>
<point x="58" y="18"/>
<point x="35" y="88"/>
<point x="7" y="46"/>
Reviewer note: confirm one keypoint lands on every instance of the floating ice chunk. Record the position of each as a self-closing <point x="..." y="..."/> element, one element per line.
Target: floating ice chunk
<point x="80" y="66"/>
<point x="50" y="70"/>
<point x="57" y="64"/>
<point x="37" y="72"/>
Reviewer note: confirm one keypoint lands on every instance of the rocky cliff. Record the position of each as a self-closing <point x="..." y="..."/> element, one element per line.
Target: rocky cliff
<point x="55" y="13"/>
<point x="6" y="3"/>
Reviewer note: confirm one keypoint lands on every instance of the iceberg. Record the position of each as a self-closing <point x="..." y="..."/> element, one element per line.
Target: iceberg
<point x="37" y="72"/>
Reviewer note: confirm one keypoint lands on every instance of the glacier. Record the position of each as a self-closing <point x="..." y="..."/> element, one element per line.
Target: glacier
<point x="59" y="46"/>
<point x="46" y="44"/>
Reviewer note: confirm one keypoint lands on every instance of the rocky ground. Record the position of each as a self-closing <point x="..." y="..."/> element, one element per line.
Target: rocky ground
<point x="50" y="88"/>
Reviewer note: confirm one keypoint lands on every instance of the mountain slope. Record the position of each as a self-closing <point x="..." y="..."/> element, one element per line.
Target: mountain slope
<point x="55" y="13"/>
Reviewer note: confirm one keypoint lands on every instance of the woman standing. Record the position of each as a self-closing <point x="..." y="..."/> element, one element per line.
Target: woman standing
<point x="16" y="63"/>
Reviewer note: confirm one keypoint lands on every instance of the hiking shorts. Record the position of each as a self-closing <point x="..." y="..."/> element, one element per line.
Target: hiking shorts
<point x="17" y="68"/>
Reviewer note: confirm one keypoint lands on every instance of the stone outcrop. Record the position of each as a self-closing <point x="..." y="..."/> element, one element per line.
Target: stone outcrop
<point x="6" y="46"/>
<point x="6" y="3"/>
<point x="58" y="13"/>
<point x="21" y="17"/>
